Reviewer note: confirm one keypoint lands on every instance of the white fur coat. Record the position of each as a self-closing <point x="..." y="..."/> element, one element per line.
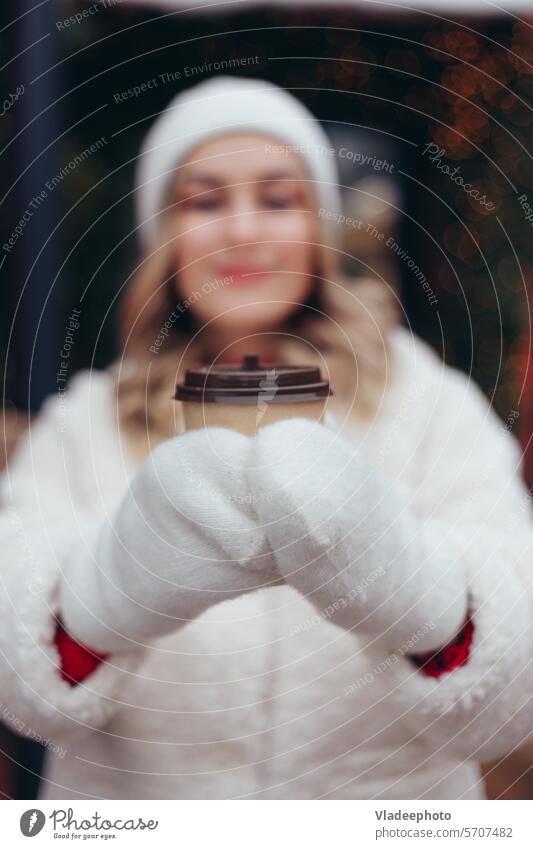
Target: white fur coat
<point x="260" y="697"/>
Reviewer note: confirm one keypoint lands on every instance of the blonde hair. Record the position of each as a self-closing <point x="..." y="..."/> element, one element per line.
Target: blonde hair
<point x="344" y="328"/>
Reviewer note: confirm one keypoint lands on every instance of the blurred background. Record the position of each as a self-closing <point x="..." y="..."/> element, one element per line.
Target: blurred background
<point x="414" y="97"/>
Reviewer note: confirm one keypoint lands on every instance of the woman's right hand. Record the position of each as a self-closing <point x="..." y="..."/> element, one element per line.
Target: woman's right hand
<point x="184" y="537"/>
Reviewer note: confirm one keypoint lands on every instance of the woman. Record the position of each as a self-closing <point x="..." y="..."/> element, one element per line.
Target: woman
<point x="335" y="610"/>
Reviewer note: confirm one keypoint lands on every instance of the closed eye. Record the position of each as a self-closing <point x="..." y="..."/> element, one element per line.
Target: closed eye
<point x="202" y="200"/>
<point x="279" y="202"/>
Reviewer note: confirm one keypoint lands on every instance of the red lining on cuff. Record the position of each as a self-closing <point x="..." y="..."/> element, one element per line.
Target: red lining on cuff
<point x="451" y="656"/>
<point x="77" y="660"/>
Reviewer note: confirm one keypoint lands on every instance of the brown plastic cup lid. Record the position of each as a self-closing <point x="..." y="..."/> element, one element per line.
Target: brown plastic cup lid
<point x="252" y="381"/>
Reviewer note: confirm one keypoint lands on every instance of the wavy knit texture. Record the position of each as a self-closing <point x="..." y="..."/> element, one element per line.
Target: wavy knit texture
<point x="262" y="696"/>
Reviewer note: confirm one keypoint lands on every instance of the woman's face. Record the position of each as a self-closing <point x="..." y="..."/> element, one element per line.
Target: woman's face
<point x="245" y="232"/>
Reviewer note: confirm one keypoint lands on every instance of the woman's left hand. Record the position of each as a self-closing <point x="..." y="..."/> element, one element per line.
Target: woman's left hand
<point x="346" y="538"/>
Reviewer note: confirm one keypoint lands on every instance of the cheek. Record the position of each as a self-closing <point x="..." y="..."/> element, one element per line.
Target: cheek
<point x="296" y="246"/>
<point x="193" y="248"/>
<point x="197" y="241"/>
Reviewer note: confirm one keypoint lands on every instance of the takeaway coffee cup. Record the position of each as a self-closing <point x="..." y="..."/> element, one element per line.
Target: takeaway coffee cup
<point x="252" y="394"/>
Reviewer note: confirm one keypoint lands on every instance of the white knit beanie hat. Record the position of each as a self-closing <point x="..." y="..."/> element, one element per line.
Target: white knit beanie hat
<point x="228" y="104"/>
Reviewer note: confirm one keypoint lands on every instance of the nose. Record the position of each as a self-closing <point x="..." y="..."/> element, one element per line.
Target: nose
<point x="243" y="221"/>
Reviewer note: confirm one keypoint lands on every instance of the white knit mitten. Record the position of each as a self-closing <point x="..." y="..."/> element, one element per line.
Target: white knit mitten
<point x="345" y="538"/>
<point x="185" y="537"/>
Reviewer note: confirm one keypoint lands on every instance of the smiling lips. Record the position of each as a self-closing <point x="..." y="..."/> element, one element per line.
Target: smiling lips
<point x="244" y="275"/>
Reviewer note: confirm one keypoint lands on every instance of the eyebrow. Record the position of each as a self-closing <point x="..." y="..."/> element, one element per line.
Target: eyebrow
<point x="213" y="182"/>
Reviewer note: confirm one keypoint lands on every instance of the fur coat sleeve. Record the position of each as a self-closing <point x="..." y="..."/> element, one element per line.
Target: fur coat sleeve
<point x="469" y="489"/>
<point x="46" y="517"/>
